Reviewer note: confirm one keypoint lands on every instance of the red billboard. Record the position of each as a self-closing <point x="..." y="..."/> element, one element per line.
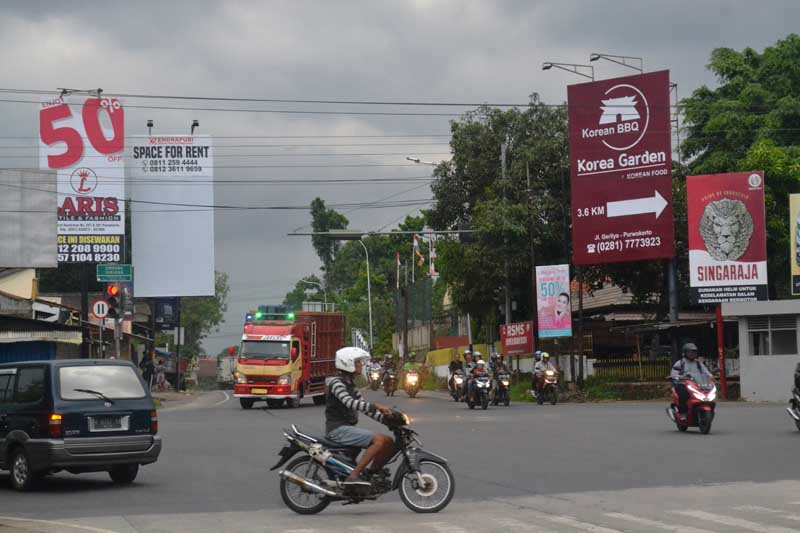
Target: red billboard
<point x="621" y="168"/>
<point x="517" y="338"/>
<point x="727" y="239"/>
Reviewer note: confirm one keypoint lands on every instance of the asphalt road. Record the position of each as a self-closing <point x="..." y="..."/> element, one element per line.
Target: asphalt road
<point x="216" y="462"/>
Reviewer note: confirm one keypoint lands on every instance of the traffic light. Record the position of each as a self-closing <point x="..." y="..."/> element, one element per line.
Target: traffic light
<point x="112" y="300"/>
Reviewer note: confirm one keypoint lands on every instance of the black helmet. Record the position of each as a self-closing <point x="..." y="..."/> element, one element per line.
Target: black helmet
<point x="688" y="349"/>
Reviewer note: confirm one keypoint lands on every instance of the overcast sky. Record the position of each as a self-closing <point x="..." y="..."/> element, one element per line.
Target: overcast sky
<point x="423" y="50"/>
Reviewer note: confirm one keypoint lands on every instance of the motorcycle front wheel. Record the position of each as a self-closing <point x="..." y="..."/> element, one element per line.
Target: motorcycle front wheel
<point x="485" y="402"/>
<point x="435" y="494"/>
<point x="553" y="396"/>
<point x="297" y="498"/>
<point x="704" y="419"/>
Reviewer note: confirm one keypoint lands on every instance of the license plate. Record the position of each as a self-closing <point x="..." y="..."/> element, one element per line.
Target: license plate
<point x="108" y="423"/>
<point x="259" y="391"/>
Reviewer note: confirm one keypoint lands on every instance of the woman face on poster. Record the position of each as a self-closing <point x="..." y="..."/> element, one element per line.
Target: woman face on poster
<point x="562" y="307"/>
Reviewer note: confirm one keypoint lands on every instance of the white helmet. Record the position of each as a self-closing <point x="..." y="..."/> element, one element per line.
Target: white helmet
<point x="480" y="362"/>
<point x="346" y="358"/>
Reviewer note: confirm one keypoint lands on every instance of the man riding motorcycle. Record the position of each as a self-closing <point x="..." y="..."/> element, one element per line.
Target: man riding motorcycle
<point x="541" y="366"/>
<point x="478" y="370"/>
<point x="688" y="365"/>
<point x="455" y="364"/>
<point x="343" y="402"/>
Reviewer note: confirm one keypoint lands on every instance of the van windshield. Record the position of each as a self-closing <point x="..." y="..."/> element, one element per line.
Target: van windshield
<point x="264" y="350"/>
<point x="116" y="382"/>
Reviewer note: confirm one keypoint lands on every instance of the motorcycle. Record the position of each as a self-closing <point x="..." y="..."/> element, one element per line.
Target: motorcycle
<point x="310" y="482"/>
<point x="390" y="382"/>
<point x="548" y="388"/>
<point x="457" y="385"/>
<point x="411" y="383"/>
<point x="502" y="392"/>
<point x="480" y="392"/>
<point x="794" y="407"/>
<point x="374" y="377"/>
<point x="702" y="404"/>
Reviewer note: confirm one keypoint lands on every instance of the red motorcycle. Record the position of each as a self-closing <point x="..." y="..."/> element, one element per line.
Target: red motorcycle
<point x="701" y="403"/>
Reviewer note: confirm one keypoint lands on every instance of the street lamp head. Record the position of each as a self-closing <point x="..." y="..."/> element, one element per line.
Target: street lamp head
<point x="594" y="57"/>
<point x="413" y="159"/>
<point x="547" y="66"/>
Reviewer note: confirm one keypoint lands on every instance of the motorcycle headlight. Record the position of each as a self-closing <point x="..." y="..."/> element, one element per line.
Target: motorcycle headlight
<point x="504" y="382"/>
<point x="285" y="379"/>
<point x="549" y="373"/>
<point x="375" y="375"/>
<point x="412" y="378"/>
<point x="406" y="419"/>
<point x="712" y="394"/>
<point x="459" y="380"/>
<point x="240" y="378"/>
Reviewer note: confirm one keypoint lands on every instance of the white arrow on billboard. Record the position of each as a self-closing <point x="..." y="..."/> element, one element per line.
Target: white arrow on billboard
<point x="639" y="206"/>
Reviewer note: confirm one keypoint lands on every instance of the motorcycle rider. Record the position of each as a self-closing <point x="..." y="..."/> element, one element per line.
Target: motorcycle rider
<point x="455" y="364"/>
<point x="687" y="365"/>
<point x="477" y="371"/>
<point x="541" y="366"/>
<point x="343" y="402"/>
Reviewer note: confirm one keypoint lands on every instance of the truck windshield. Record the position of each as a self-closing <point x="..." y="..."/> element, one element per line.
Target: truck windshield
<point x="264" y="350"/>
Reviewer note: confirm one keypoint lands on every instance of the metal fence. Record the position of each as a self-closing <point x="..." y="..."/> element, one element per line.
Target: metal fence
<point x="629" y="368"/>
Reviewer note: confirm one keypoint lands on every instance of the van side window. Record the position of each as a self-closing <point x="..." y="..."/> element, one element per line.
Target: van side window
<point x="5" y="379"/>
<point x="30" y="385"/>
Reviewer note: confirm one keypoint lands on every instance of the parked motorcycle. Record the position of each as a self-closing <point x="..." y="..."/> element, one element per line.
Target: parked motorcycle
<point x="456" y="385"/>
<point x="480" y="392"/>
<point x="502" y="390"/>
<point x="390" y="382"/>
<point x="310" y="482"/>
<point x="702" y="404"/>
<point x="374" y="377"/>
<point x="548" y="388"/>
<point x="411" y="383"/>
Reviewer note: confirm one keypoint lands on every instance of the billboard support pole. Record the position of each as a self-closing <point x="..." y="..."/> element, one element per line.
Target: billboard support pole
<point x="534" y="309"/>
<point x="85" y="309"/>
<point x="178" y="348"/>
<point x="580" y="325"/>
<point x="723" y="379"/>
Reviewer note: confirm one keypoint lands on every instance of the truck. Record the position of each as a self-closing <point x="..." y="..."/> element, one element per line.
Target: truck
<point x="285" y="356"/>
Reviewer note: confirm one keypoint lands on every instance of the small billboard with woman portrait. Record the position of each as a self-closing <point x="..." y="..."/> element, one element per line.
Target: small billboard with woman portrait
<point x="553" y="301"/>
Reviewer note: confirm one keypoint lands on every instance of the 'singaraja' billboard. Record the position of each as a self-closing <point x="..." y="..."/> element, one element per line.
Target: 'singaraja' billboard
<point x="621" y="169"/>
<point x="727" y="239"/>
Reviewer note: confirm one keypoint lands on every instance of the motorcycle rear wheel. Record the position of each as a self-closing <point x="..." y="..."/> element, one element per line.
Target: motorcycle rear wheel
<point x="553" y="396"/>
<point x="295" y="497"/>
<point x="507" y="400"/>
<point x="485" y="402"/>
<point x="433" y="498"/>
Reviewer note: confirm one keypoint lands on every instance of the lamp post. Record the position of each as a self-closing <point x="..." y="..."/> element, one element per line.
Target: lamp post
<point x="619" y="60"/>
<point x="324" y="292"/>
<point x="570" y="67"/>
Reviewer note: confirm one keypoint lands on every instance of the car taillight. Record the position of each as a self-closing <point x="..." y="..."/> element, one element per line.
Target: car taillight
<point x="153" y="422"/>
<point x="55" y="425"/>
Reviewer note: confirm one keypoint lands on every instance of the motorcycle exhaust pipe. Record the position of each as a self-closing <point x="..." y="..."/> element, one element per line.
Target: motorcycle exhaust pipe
<point x="793" y="414"/>
<point x="306" y="484"/>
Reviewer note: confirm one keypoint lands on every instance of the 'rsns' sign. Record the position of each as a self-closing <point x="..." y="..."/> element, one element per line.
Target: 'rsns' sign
<point x="517" y="338"/>
<point x="83" y="138"/>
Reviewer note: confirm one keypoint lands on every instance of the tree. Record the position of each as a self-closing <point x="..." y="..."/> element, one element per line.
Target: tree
<point x="324" y="219"/>
<point x="301" y="290"/>
<point x="200" y="315"/>
<point x="752" y="122"/>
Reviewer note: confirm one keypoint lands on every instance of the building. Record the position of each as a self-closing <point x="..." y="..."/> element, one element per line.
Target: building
<point x="768" y="347"/>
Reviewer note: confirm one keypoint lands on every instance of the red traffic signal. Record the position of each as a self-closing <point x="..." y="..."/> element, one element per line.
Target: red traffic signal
<point x="112" y="300"/>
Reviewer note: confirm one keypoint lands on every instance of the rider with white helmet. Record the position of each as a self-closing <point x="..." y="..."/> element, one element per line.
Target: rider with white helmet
<point x="343" y="402"/>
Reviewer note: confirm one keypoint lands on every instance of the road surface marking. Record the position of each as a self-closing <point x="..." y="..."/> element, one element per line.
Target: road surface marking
<point x="299" y="531"/>
<point x="510" y="523"/>
<point x="736" y="522"/>
<point x="657" y="525"/>
<point x="768" y="510"/>
<point x="444" y="527"/>
<point x="370" y="529"/>
<point x="54" y="523"/>
<point x="577" y="524"/>
<point x="227" y="397"/>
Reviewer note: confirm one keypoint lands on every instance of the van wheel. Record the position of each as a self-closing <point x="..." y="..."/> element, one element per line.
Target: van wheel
<point x="319" y="400"/>
<point x="23" y="477"/>
<point x="124" y="474"/>
<point x="246" y="403"/>
<point x="293" y="403"/>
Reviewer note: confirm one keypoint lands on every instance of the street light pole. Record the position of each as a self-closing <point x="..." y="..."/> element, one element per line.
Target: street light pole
<point x="369" y="295"/>
<point x="619" y="60"/>
<point x="324" y="292"/>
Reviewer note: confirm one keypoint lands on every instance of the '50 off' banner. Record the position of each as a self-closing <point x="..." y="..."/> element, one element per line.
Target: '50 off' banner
<point x="83" y="139"/>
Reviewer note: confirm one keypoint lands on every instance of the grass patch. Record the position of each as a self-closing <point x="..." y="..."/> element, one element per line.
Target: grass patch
<point x="601" y="388"/>
<point x="430" y="382"/>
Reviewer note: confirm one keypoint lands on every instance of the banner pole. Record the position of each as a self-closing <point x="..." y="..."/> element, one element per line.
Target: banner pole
<point x="723" y="380"/>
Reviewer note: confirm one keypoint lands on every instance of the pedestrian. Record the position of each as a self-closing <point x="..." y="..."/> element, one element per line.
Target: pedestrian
<point x="161" y="375"/>
<point x="148" y="370"/>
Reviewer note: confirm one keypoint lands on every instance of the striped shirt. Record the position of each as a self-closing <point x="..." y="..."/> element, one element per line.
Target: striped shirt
<point x="347" y="402"/>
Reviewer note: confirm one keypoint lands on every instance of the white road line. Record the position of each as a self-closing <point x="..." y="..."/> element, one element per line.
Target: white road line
<point x="653" y="524"/>
<point x="370" y="529"/>
<point x="511" y="523"/>
<point x="227" y="397"/>
<point x="55" y="523"/>
<point x="444" y="527"/>
<point x="571" y="521"/>
<point x="299" y="531"/>
<point x="736" y="522"/>
<point x="768" y="510"/>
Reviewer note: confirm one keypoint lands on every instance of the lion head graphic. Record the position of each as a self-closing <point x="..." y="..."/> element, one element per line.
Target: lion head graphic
<point x="726" y="227"/>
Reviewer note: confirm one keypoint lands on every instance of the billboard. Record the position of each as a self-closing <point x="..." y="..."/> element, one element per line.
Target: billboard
<point x="517" y="338"/>
<point x="553" y="301"/>
<point x="172" y="185"/>
<point x="727" y="240"/>
<point x="621" y="169"/>
<point x="28" y="219"/>
<point x="82" y="138"/>
<point x="794" y="237"/>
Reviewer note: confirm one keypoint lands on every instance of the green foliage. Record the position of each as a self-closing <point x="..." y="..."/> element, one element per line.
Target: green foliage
<point x="598" y="388"/>
<point x="752" y="122"/>
<point x="200" y="315"/>
<point x="324" y="219"/>
<point x="307" y="289"/>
